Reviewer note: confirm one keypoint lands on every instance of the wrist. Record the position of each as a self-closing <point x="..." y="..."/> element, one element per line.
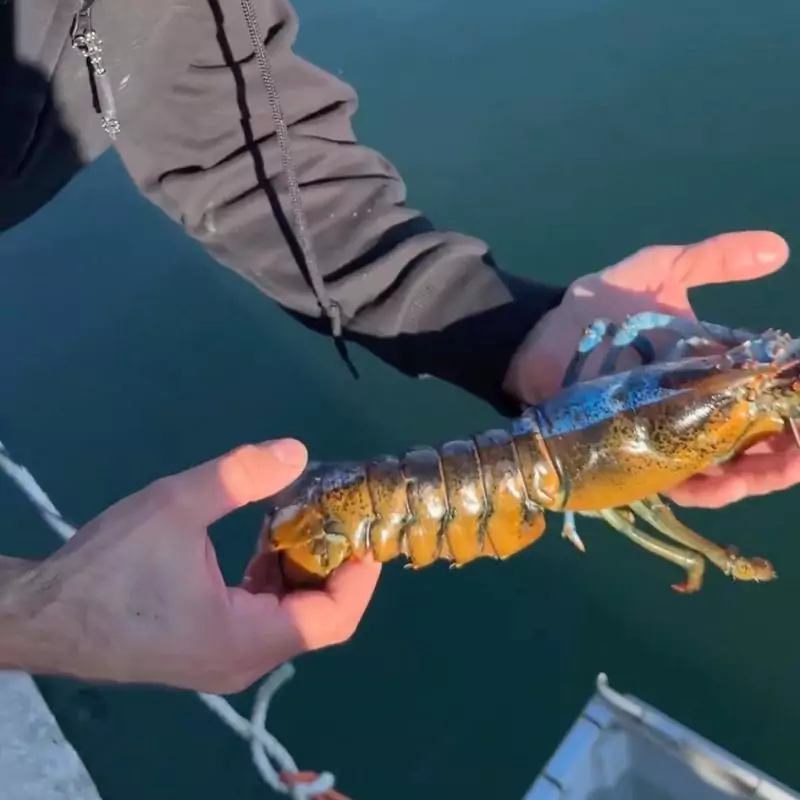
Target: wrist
<point x="35" y="634"/>
<point x="15" y="573"/>
<point x="517" y="377"/>
<point x="479" y="352"/>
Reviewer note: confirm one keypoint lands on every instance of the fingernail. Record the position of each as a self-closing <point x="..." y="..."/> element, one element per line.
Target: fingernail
<point x="766" y="256"/>
<point x="290" y="452"/>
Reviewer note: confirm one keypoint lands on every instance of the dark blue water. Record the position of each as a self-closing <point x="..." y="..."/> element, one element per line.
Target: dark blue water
<point x="568" y="135"/>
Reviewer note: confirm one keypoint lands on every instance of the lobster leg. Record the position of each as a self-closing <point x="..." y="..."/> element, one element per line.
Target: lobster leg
<point x="630" y="333"/>
<point x="691" y="561"/>
<point x="569" y="532"/>
<point x="727" y="559"/>
<point x="632" y="329"/>
<point x="593" y="336"/>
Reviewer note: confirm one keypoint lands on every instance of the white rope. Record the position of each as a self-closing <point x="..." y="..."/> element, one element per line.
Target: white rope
<point x="263" y="745"/>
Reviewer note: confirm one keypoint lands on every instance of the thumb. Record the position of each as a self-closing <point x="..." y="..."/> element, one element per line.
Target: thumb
<point x="244" y="475"/>
<point x="726" y="258"/>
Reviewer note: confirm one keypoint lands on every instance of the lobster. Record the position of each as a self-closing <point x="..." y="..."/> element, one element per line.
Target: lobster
<point x="606" y="447"/>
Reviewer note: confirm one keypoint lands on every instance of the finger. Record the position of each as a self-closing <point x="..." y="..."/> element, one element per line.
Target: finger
<point x="278" y="629"/>
<point x="351" y="587"/>
<point x="244" y="475"/>
<point x="331" y="616"/>
<point x="752" y="475"/>
<point x="707" y="491"/>
<point x="726" y="258"/>
<point x="740" y="256"/>
<point x="263" y="574"/>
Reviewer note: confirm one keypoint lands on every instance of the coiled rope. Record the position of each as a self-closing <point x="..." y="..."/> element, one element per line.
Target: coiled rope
<point x="264" y="747"/>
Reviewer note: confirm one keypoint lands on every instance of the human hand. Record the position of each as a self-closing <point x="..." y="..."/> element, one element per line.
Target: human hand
<point x="658" y="278"/>
<point x="137" y="596"/>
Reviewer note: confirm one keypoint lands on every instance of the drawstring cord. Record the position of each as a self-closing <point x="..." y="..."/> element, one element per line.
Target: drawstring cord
<point x="332" y="308"/>
<point x="329" y="306"/>
<point x="86" y="41"/>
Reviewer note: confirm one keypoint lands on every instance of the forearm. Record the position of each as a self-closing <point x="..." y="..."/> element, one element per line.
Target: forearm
<point x="201" y="144"/>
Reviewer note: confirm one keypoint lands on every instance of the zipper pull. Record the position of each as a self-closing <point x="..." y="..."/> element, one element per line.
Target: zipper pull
<point x="86" y="41"/>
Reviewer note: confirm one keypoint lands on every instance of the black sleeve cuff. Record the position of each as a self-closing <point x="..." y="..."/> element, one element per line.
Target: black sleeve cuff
<point x="473" y="353"/>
